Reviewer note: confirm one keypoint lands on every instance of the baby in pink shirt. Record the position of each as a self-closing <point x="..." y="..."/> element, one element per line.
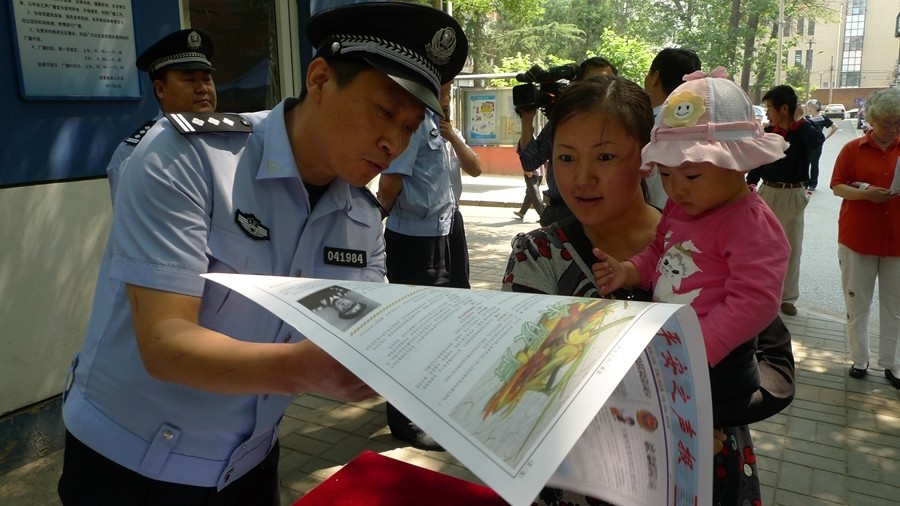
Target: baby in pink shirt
<point x="718" y="247"/>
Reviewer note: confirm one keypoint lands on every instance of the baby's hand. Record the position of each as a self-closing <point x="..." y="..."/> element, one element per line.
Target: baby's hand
<point x="609" y="273"/>
<point x="719" y="439"/>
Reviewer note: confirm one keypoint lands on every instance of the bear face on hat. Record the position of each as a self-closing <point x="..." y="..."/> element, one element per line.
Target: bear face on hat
<point x="710" y="119"/>
<point x="417" y="46"/>
<point x="188" y="49"/>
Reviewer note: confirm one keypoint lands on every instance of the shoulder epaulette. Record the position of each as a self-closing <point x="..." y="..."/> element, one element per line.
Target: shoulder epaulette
<point x="140" y="132"/>
<point x="195" y="123"/>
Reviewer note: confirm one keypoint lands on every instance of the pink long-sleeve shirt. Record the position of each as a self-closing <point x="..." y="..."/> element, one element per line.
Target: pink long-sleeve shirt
<point x="727" y="263"/>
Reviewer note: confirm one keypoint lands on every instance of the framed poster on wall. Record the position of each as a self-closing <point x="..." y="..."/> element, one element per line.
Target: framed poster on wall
<point x="75" y="49"/>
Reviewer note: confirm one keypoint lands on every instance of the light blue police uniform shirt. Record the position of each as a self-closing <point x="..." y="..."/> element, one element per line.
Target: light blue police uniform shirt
<point x="425" y="206"/>
<point x="178" y="210"/>
<point x="122" y="152"/>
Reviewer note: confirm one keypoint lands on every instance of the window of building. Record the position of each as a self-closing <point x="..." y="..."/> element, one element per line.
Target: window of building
<point x="245" y="52"/>
<point x="811" y="28"/>
<point x="798" y="57"/>
<point x="852" y="44"/>
<point x="800" y="23"/>
<point x="850" y="79"/>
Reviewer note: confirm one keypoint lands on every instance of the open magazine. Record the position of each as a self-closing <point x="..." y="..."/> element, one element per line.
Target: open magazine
<point x="608" y="398"/>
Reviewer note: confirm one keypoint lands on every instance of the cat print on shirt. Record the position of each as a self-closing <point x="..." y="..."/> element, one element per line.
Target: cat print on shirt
<point x="676" y="264"/>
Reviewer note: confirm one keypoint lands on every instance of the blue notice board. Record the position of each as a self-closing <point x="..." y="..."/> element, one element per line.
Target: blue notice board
<point x="75" y="49"/>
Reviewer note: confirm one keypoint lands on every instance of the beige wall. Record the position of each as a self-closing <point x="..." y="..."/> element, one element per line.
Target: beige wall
<point x="52" y="240"/>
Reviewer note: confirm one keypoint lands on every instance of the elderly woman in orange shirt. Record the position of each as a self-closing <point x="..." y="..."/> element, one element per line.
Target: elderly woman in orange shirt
<point x="869" y="234"/>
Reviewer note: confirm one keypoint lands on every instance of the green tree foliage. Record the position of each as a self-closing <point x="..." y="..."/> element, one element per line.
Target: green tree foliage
<point x="740" y="35"/>
<point x="796" y="78"/>
<point x="480" y="18"/>
<point x="631" y="55"/>
<point x="591" y="17"/>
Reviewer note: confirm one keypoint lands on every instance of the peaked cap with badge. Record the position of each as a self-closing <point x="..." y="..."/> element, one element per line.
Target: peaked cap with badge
<point x="188" y="49"/>
<point x="418" y="47"/>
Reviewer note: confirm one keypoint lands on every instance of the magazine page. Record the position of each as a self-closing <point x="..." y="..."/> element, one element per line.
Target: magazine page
<point x="644" y="446"/>
<point x="507" y="382"/>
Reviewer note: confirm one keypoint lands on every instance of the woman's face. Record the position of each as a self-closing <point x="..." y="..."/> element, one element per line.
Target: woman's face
<point x="885" y="130"/>
<point x="596" y="165"/>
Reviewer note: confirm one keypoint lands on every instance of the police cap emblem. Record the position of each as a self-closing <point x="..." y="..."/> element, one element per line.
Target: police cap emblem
<point x="441" y="47"/>
<point x="417" y="46"/>
<point x="185" y="49"/>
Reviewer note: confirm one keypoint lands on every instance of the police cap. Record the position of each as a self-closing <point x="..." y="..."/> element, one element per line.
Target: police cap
<point x="185" y="49"/>
<point x="417" y="46"/>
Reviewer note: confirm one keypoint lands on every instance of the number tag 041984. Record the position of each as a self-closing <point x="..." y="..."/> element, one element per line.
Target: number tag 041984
<point x="345" y="257"/>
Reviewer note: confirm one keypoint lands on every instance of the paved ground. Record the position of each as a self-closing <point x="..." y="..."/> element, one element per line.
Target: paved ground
<point x="837" y="444"/>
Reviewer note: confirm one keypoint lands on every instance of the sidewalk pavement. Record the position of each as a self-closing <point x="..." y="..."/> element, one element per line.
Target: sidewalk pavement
<point x="837" y="444"/>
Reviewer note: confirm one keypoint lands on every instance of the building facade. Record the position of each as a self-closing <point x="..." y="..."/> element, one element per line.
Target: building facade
<point x="849" y="55"/>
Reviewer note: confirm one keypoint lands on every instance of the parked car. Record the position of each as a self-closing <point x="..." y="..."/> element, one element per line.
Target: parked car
<point x="760" y="113"/>
<point x="834" y="111"/>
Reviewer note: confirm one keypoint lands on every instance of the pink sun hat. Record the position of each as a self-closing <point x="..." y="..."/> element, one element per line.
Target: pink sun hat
<point x="710" y="119"/>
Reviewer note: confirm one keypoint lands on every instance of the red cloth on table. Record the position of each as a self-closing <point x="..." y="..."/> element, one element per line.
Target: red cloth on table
<point x="372" y="479"/>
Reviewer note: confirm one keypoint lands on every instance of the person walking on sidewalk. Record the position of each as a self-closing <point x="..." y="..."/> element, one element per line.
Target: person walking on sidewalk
<point x="869" y="234"/>
<point x="533" y="179"/>
<point x="815" y="118"/>
<point x="783" y="180"/>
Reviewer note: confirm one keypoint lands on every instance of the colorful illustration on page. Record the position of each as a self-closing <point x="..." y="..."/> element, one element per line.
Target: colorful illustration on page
<point x="509" y="408"/>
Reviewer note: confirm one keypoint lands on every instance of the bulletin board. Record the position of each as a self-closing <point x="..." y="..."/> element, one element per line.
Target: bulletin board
<point x="75" y="49"/>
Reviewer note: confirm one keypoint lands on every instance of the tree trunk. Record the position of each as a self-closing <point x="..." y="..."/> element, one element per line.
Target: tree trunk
<point x="749" y="48"/>
<point x="733" y="22"/>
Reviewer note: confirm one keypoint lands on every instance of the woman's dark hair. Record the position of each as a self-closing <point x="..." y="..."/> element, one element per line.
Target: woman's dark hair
<point x="615" y="97"/>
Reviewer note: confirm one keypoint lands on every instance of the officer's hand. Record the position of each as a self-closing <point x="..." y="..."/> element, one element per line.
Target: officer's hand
<point x="317" y="372"/>
<point x="447" y="130"/>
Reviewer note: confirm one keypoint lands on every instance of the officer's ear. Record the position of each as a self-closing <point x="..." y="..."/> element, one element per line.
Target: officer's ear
<point x="318" y="74"/>
<point x="159" y="88"/>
